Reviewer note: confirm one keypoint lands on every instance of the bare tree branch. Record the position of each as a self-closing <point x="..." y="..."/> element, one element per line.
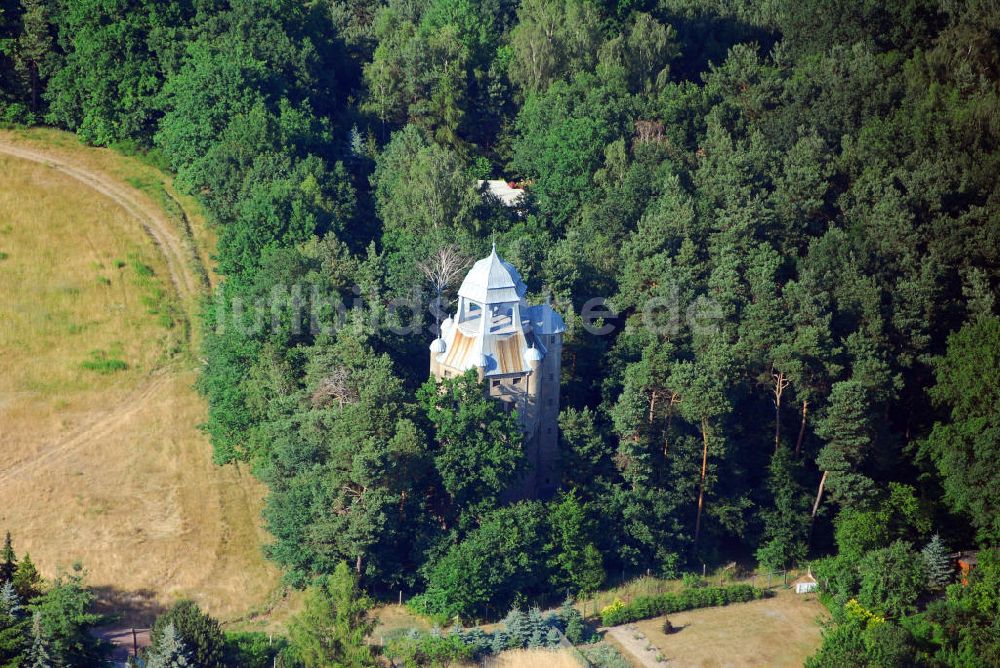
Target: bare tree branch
<point x="335" y="386"/>
<point x="442" y="269"/>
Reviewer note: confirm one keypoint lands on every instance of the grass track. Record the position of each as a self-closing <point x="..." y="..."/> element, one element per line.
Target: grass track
<point x="105" y="465"/>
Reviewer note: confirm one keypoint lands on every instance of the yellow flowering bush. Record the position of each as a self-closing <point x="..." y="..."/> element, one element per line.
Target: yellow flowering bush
<point x="611" y="611"/>
<point x="856" y="611"/>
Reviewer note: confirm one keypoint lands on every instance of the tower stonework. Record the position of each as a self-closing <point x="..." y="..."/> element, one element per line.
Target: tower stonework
<point x="516" y="350"/>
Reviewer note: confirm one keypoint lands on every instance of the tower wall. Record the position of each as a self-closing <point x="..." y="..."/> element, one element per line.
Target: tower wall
<point x="548" y="415"/>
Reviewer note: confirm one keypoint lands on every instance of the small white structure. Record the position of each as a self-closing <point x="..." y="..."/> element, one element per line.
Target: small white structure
<point x="504" y="192"/>
<point x="807" y="583"/>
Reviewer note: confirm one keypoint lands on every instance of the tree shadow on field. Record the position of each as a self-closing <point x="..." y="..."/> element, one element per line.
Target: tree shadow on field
<point x="136" y="607"/>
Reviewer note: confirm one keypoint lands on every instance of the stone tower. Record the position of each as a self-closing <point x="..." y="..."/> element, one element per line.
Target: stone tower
<point x="516" y="350"/>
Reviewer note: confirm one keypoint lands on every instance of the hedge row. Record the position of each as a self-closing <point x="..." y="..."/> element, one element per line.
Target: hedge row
<point x="645" y="607"/>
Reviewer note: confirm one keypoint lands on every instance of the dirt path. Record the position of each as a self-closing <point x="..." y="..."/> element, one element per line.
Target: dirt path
<point x="175" y="251"/>
<point x="124" y="640"/>
<point x="98" y="426"/>
<point x="636" y="647"/>
<point x="126" y="484"/>
<point x="183" y="266"/>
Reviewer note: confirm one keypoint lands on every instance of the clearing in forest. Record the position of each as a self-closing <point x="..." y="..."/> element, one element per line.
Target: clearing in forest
<point x="102" y="268"/>
<point x="779" y="631"/>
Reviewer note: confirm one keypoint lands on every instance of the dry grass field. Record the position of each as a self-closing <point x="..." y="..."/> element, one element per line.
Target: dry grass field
<point x="392" y="619"/>
<point x="533" y="658"/>
<point x="776" y="632"/>
<point x="101" y="270"/>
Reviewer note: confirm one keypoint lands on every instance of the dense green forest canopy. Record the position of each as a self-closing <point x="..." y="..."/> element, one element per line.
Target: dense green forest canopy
<point x="792" y="208"/>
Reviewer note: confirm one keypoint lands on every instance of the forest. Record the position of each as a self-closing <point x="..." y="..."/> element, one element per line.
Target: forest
<point x="791" y="209"/>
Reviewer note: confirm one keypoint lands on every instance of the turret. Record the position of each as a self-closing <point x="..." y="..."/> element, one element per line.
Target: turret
<point x="533" y="358"/>
<point x="437" y="348"/>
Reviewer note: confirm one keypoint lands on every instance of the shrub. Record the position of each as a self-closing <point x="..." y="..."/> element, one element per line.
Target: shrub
<point x="201" y="633"/>
<point x="141" y="269"/>
<point x="16" y="113"/>
<point x="253" y="649"/>
<point x="892" y="579"/>
<point x="491" y="566"/>
<point x="604" y="656"/>
<point x="857" y="612"/>
<point x="861" y="642"/>
<point x="429" y="649"/>
<point x="842" y="646"/>
<point x="103" y="363"/>
<point x="613" y="608"/>
<point x="888" y="645"/>
<point x="839" y="577"/>
<point x="645" y="607"/>
<point x="692" y="581"/>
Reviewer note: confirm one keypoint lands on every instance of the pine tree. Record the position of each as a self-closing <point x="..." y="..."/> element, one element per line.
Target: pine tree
<point x="849" y="435"/>
<point x="38" y="655"/>
<point x="10" y="602"/>
<point x="8" y="560"/>
<point x="537" y="628"/>
<point x="572" y="621"/>
<point x="171" y="652"/>
<point x="27" y="579"/>
<point x="965" y="447"/>
<point x="356" y="143"/>
<point x="13" y="627"/>
<point x="66" y="617"/>
<point x="499" y="642"/>
<point x="477" y="640"/>
<point x="936" y="564"/>
<point x="786" y="519"/>
<point x="334" y="622"/>
<point x="35" y="52"/>
<point x="517" y="628"/>
<point x="566" y="611"/>
<point x="202" y="634"/>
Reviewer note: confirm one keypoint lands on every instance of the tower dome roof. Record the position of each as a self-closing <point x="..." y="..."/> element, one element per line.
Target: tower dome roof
<point x="438" y="346"/>
<point x="493" y="280"/>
